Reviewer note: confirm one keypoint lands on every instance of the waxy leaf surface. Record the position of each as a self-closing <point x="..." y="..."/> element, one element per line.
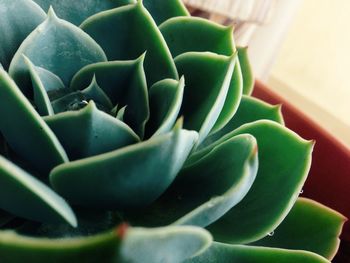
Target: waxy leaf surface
<point x="130" y="40"/>
<point x="58" y="46"/>
<point x="284" y="162"/>
<point x="309" y="226"/>
<point x="90" y="132"/>
<point x="25" y="131"/>
<point x="42" y="204"/>
<point x="18" y="18"/>
<point x="113" y="180"/>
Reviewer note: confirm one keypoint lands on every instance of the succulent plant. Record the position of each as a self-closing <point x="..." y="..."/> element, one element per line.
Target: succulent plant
<point x="128" y="134"/>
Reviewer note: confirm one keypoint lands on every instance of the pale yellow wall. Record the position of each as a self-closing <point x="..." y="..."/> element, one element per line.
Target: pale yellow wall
<point x="313" y="67"/>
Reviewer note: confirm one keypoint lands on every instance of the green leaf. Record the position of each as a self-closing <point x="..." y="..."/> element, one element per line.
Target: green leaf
<point x="190" y="34"/>
<point x="225" y="253"/>
<point x="41" y="203"/>
<point x="77" y="11"/>
<point x="163" y="10"/>
<point x="5" y="218"/>
<point x="15" y="248"/>
<point x="57" y="46"/>
<point x="90" y="132"/>
<point x="17" y="19"/>
<point x="122" y="245"/>
<point x="250" y="109"/>
<point x="309" y="226"/>
<point x="194" y="34"/>
<point x="247" y="71"/>
<point x="130" y="40"/>
<point x="206" y="190"/>
<point x="113" y="180"/>
<point x="124" y="82"/>
<point x="204" y="98"/>
<point x="41" y="98"/>
<point x="95" y="93"/>
<point x="284" y="162"/>
<point x="25" y="131"/>
<point x="165" y="102"/>
<point x="171" y="244"/>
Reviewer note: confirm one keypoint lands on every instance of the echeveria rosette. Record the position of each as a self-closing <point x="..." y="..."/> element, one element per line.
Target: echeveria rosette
<point x="129" y="111"/>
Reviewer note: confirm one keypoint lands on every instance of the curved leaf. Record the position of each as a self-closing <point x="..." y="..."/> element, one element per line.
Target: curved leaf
<point x="194" y="34"/>
<point x="206" y="190"/>
<point x="90" y="132"/>
<point x="77" y="11"/>
<point x="204" y="97"/>
<point x="95" y="93"/>
<point x="309" y="226"/>
<point x="247" y="71"/>
<point x="225" y="253"/>
<point x="124" y="82"/>
<point x="15" y="248"/>
<point x="162" y="10"/>
<point x="41" y="98"/>
<point x="191" y="34"/>
<point x="123" y="245"/>
<point x="57" y="46"/>
<point x="17" y="19"/>
<point x="171" y="244"/>
<point x="112" y="180"/>
<point x="5" y="218"/>
<point x="42" y="204"/>
<point x="250" y="109"/>
<point x="25" y="131"/>
<point x="165" y="102"/>
<point x="130" y="40"/>
<point x="284" y="162"/>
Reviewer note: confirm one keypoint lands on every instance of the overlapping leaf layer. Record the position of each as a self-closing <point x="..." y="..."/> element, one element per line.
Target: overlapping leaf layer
<point x="128" y="134"/>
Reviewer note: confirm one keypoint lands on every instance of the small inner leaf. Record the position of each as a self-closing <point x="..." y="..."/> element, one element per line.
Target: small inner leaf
<point x="90" y="132"/>
<point x="41" y="203"/>
<point x="165" y="102"/>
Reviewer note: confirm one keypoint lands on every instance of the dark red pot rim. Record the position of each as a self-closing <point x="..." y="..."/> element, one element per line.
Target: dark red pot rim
<point x="329" y="178"/>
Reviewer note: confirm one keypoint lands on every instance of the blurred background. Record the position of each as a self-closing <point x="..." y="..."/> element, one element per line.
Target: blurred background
<point x="300" y="48"/>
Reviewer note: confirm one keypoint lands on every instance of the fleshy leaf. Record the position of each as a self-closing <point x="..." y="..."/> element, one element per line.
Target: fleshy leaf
<point x="194" y="34"/>
<point x="171" y="244"/>
<point x="113" y="180"/>
<point x="25" y="131"/>
<point x="15" y="248"/>
<point x="284" y="162"/>
<point x="95" y="93"/>
<point x="309" y="226"/>
<point x="163" y="10"/>
<point x="41" y="203"/>
<point x="18" y="18"/>
<point x="206" y="190"/>
<point x="90" y="132"/>
<point x="190" y="34"/>
<point x="130" y="40"/>
<point x="250" y="110"/>
<point x="168" y="244"/>
<point x="124" y="82"/>
<point x="204" y="97"/>
<point x="165" y="102"/>
<point x="41" y="98"/>
<point x="77" y="11"/>
<point x="57" y="46"/>
<point x="225" y="253"/>
<point x="247" y="71"/>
